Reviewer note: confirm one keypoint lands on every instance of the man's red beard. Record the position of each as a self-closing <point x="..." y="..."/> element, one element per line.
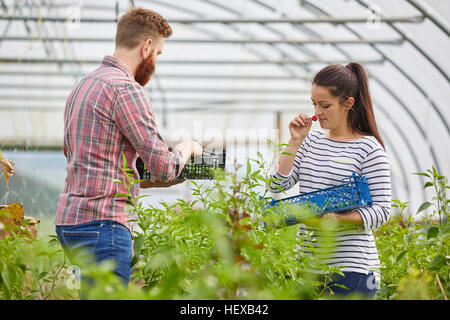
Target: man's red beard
<point x="145" y="70"/>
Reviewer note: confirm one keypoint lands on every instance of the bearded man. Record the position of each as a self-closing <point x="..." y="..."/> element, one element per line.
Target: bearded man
<point x="107" y="116"/>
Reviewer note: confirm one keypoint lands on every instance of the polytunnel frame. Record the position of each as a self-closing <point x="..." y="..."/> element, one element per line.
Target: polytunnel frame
<point x="346" y="55"/>
<point x="304" y="65"/>
<point x="385" y="58"/>
<point x="409" y="147"/>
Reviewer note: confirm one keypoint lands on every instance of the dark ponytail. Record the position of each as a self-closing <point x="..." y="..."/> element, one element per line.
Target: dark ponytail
<point x="351" y="81"/>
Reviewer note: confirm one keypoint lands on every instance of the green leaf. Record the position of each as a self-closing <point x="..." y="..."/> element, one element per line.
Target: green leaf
<point x="428" y="184"/>
<point x="138" y="242"/>
<point x="432" y="232"/>
<point x="424" y="206"/>
<point x="400" y="256"/>
<point x="438" y="262"/>
<point x="407" y="238"/>
<point x="134" y="260"/>
<point x="279" y="188"/>
<point x="435" y="173"/>
<point x="288" y="154"/>
<point x="120" y="195"/>
<point x="445" y="228"/>
<point x="422" y="174"/>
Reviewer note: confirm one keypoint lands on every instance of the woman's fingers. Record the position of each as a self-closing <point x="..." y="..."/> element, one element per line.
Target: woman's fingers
<point x="302" y="120"/>
<point x="295" y="123"/>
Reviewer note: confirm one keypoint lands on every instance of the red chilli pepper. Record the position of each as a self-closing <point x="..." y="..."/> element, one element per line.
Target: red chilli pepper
<point x="314" y="118"/>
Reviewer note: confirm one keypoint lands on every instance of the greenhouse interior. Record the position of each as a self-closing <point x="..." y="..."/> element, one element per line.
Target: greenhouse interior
<point x="231" y="77"/>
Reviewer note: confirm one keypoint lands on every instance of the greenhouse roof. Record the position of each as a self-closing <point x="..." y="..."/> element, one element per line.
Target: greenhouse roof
<point x="239" y="65"/>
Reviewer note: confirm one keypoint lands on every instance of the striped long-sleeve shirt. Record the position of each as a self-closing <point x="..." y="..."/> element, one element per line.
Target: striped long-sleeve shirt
<point x="106" y="114"/>
<point x="321" y="163"/>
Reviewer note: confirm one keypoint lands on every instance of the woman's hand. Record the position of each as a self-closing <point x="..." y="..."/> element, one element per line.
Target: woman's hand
<point x="349" y="217"/>
<point x="299" y="127"/>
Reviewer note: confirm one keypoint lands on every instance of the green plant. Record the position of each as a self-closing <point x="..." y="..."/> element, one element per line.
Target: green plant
<point x="33" y="269"/>
<point x="216" y="247"/>
<point x="415" y="254"/>
<point x="439" y="183"/>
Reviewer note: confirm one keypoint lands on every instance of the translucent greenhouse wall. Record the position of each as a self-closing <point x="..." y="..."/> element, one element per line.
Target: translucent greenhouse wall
<point x="245" y="77"/>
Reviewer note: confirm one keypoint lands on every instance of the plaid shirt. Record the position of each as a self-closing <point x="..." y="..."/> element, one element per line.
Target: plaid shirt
<point x="106" y="114"/>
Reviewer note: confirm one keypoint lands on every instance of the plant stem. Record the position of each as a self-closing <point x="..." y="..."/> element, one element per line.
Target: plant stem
<point x="54" y="278"/>
<point x="440" y="287"/>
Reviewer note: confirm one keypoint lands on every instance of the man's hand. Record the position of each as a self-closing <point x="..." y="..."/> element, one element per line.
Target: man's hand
<point x="189" y="148"/>
<point x="159" y="184"/>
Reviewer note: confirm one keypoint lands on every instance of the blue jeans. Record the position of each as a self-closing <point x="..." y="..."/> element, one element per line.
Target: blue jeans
<point x="359" y="283"/>
<point x="98" y="241"/>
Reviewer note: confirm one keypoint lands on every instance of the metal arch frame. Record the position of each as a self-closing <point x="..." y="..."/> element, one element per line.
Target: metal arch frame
<point x="390" y="92"/>
<point x="195" y="108"/>
<point x="402" y="104"/>
<point x="408" y="145"/>
<point x="184" y="10"/>
<point x="209" y="32"/>
<point x="413" y="155"/>
<point x="71" y="46"/>
<point x="173" y="100"/>
<point x="426" y="13"/>
<point x="412" y="19"/>
<point x="426" y="96"/>
<point x="217" y="36"/>
<point x="17" y="7"/>
<point x="250" y="62"/>
<point x="271" y="29"/>
<point x="381" y="53"/>
<point x="341" y="21"/>
<point x="170" y="89"/>
<point x="427" y="57"/>
<point x="346" y="55"/>
<point x="222" y="41"/>
<point x="262" y="77"/>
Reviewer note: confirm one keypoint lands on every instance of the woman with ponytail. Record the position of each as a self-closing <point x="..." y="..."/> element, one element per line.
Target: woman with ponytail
<point x="348" y="141"/>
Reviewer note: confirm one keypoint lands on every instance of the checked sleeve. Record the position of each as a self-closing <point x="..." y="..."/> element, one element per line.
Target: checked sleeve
<point x="135" y="119"/>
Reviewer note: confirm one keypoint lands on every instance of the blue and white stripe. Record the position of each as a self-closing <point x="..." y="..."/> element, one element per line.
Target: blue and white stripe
<point x="321" y="163"/>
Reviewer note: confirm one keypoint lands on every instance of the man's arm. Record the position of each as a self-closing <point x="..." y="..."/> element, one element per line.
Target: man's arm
<point x="135" y="119"/>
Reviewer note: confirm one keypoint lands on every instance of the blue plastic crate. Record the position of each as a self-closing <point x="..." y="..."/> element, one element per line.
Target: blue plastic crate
<point x="351" y="194"/>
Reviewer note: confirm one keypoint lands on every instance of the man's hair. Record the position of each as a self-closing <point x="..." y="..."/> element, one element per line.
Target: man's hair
<point x="139" y="24"/>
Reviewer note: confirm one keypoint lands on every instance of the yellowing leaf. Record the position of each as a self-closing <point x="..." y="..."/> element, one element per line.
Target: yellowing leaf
<point x="7" y="169"/>
<point x="11" y="214"/>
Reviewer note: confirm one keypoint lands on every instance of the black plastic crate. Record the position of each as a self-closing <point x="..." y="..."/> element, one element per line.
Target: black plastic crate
<point x="200" y="168"/>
